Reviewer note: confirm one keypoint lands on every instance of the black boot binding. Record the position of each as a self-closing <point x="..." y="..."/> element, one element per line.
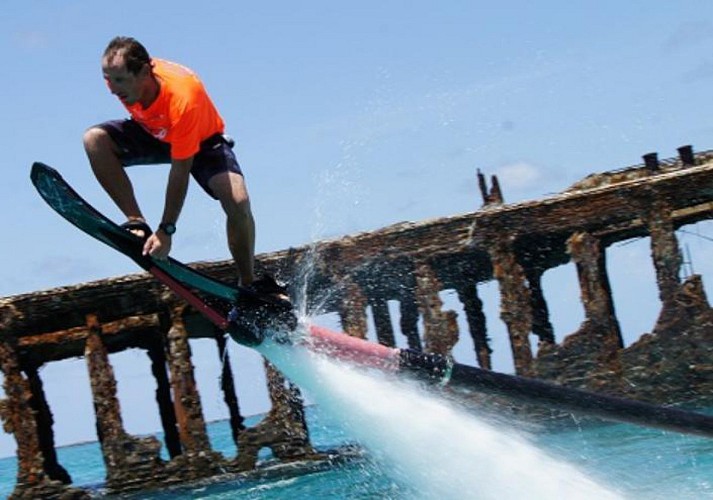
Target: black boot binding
<point x="264" y="307"/>
<point x="266" y="285"/>
<point x="138" y="225"/>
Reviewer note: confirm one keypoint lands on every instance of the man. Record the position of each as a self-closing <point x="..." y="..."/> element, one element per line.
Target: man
<point x="173" y="120"/>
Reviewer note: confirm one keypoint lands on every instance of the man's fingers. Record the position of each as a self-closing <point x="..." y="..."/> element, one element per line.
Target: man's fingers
<point x="150" y="246"/>
<point x="156" y="249"/>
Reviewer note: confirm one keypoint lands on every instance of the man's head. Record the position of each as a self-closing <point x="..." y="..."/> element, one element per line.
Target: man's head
<point x="126" y="65"/>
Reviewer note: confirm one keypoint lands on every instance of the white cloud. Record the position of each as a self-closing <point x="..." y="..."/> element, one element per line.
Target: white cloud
<point x="519" y="175"/>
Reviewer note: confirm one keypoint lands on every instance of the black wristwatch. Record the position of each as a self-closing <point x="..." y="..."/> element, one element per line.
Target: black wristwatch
<point x="167" y="227"/>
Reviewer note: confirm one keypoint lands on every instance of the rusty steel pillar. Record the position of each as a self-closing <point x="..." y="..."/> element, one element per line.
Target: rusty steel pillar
<point x="45" y="424"/>
<point x="131" y="463"/>
<point x="667" y="258"/>
<point x="515" y="299"/>
<point x="352" y="310"/>
<point x="382" y="322"/>
<point x="440" y="328"/>
<point x="665" y="251"/>
<point x="198" y="457"/>
<point x="227" y="385"/>
<point x="541" y="325"/>
<point x="409" y="321"/>
<point x="587" y="254"/>
<point x="283" y="430"/>
<point x="18" y="419"/>
<point x="473" y="307"/>
<point x="157" y="354"/>
<point x="110" y="428"/>
<point x="589" y="358"/>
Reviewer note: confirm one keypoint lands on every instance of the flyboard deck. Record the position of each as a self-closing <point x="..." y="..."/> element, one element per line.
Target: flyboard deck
<point x="247" y="321"/>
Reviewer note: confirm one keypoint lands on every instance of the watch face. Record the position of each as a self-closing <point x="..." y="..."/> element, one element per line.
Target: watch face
<point x="167" y="227"/>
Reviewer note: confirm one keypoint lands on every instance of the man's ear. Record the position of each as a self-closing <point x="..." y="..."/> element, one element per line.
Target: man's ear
<point x="145" y="70"/>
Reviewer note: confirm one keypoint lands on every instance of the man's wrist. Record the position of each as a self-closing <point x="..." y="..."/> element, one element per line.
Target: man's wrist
<point x="168" y="228"/>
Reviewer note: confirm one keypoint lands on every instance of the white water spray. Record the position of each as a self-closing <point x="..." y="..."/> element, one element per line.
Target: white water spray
<point x="425" y="442"/>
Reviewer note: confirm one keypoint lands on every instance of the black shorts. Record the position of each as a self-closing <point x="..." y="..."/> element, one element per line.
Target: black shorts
<point x="138" y="147"/>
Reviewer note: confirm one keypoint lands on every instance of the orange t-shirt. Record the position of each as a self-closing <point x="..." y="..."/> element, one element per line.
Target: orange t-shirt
<point x="182" y="115"/>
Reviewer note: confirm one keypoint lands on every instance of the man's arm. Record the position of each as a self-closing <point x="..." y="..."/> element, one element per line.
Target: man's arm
<point x="159" y="243"/>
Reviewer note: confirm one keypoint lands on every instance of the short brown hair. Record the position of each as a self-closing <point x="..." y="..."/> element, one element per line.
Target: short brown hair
<point x="135" y="54"/>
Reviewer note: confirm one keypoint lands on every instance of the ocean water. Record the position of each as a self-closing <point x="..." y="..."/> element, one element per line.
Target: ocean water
<point x="419" y="445"/>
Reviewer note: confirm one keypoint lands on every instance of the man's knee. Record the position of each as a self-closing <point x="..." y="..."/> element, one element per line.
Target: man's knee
<point x="230" y="189"/>
<point x="98" y="140"/>
<point x="237" y="205"/>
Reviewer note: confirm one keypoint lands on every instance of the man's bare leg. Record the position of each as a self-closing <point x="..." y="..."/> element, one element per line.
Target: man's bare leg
<point x="230" y="189"/>
<point x="103" y="157"/>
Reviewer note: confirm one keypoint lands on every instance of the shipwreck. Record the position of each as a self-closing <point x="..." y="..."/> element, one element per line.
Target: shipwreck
<point x="410" y="263"/>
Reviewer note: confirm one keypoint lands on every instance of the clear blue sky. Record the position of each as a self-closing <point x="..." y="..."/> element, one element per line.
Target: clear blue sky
<point x="348" y="116"/>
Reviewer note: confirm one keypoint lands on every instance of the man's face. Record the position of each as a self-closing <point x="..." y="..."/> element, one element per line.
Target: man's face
<point x="127" y="86"/>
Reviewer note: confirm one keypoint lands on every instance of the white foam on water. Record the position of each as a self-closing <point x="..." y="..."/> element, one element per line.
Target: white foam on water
<point x="422" y="440"/>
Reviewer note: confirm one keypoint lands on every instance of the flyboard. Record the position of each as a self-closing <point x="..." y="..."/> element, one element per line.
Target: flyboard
<point x="246" y="316"/>
<point x="252" y="313"/>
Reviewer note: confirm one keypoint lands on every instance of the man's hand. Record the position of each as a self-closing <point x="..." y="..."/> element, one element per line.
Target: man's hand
<point x="158" y="245"/>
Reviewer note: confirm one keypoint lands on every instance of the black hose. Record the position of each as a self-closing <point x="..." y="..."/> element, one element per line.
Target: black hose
<point x="582" y="402"/>
<point x="437" y="368"/>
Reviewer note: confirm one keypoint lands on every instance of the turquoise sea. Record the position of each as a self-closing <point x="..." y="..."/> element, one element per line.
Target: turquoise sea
<point x="418" y="445"/>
